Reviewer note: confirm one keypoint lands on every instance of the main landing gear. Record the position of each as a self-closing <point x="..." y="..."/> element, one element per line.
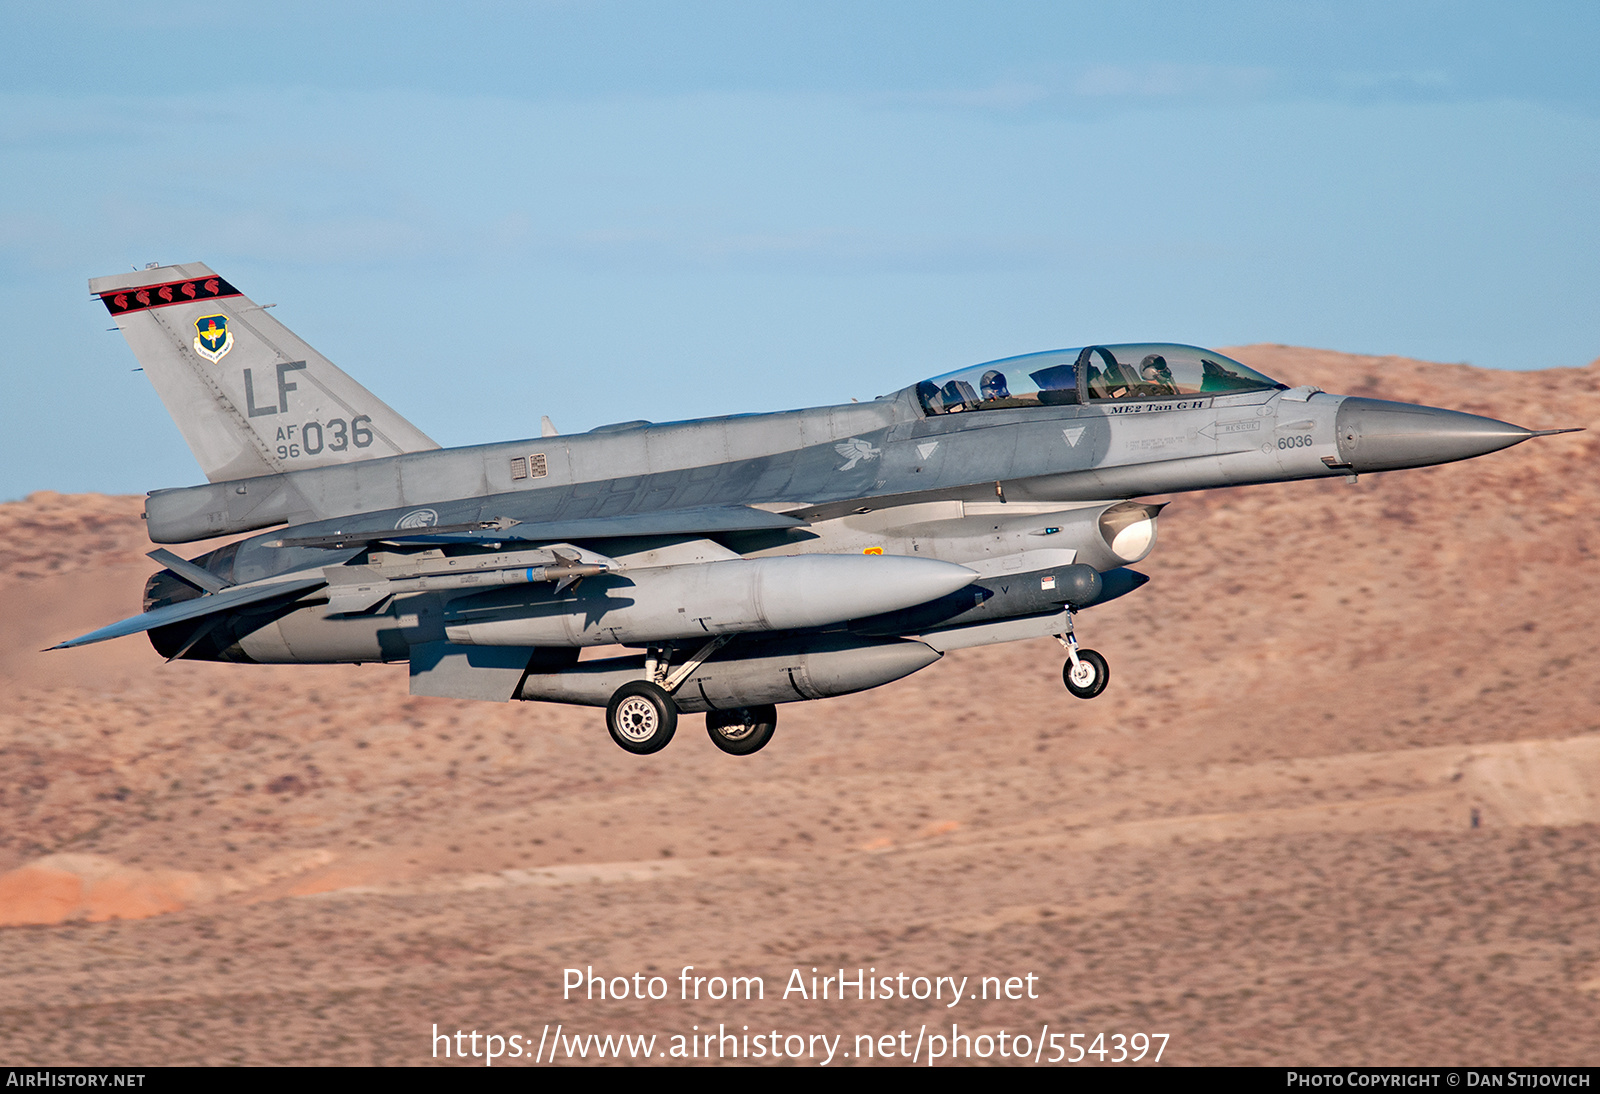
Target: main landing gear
<point x="1086" y="672"/>
<point x="642" y="716"/>
<point x="742" y="730"/>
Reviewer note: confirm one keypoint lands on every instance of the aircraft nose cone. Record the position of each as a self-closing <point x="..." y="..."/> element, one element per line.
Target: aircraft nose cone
<point x="1377" y="435"/>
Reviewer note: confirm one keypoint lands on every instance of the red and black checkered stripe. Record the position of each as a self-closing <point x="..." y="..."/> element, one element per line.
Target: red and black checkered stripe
<point x="122" y="301"/>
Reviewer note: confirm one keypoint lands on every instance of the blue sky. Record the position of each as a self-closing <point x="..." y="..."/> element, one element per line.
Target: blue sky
<point x="612" y="210"/>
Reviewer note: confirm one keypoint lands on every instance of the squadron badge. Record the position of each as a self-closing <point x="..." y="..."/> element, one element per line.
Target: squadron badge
<point x="419" y="518"/>
<point x="213" y="339"/>
<point x="856" y="450"/>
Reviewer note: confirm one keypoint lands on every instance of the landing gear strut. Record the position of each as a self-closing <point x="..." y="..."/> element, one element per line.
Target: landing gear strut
<point x="1086" y="672"/>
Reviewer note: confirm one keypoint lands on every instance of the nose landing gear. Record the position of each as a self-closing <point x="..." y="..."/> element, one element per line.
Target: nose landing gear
<point x="1086" y="672"/>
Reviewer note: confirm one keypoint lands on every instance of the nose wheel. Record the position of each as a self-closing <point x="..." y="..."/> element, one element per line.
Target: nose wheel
<point x="1086" y="677"/>
<point x="1086" y="672"/>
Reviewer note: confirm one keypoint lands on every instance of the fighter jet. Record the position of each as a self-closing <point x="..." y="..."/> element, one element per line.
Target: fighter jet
<point x="746" y="561"/>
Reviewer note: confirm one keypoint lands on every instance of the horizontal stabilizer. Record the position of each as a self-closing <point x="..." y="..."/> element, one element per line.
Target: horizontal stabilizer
<point x="703" y="520"/>
<point x="198" y="576"/>
<point x="198" y="608"/>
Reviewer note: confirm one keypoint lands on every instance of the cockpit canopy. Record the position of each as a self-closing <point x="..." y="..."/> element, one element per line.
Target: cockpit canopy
<point x="1153" y="370"/>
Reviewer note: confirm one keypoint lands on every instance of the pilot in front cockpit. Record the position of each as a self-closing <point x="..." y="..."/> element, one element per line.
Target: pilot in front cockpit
<point x="993" y="386"/>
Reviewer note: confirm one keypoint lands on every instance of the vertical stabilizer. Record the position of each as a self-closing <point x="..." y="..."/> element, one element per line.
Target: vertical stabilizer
<point x="250" y="397"/>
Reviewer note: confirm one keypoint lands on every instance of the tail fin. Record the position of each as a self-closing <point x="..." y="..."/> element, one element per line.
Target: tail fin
<point x="250" y="398"/>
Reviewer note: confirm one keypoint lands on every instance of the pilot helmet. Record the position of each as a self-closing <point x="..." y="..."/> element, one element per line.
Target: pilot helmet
<point x="1154" y="367"/>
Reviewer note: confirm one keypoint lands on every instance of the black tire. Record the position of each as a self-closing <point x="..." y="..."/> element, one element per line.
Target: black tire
<point x="641" y="717"/>
<point x="1090" y="679"/>
<point x="742" y="730"/>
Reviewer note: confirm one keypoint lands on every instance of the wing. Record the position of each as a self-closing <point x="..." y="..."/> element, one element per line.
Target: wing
<point x="702" y="520"/>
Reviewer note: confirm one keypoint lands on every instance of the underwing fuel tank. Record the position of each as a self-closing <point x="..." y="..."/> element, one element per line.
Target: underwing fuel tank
<point x="747" y="673"/>
<point x="667" y="603"/>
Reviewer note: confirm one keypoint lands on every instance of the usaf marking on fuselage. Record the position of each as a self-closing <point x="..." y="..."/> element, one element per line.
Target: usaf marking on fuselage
<point x="752" y="560"/>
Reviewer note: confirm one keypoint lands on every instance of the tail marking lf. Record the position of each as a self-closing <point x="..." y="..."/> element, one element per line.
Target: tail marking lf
<point x="274" y="405"/>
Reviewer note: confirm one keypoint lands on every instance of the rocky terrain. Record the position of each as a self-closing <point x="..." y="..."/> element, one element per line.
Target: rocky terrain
<point x="1340" y="804"/>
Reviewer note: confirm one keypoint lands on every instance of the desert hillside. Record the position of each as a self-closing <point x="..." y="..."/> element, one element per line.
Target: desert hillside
<point x="1339" y="804"/>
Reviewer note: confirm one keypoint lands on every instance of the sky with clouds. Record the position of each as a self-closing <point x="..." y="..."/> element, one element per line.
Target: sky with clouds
<point x="604" y="210"/>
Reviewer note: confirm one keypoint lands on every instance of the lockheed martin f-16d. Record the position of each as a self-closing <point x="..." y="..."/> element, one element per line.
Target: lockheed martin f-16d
<point x="749" y="560"/>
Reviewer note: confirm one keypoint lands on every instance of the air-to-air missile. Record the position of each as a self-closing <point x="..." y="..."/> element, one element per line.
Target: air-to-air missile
<point x="750" y="561"/>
